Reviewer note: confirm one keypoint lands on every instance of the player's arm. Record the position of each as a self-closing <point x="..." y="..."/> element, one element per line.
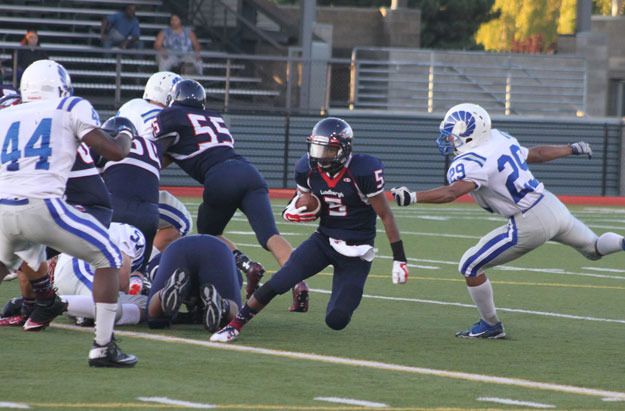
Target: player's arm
<point x="439" y="195"/>
<point x="542" y="154"/>
<point x="400" y="262"/>
<point x="111" y="148"/>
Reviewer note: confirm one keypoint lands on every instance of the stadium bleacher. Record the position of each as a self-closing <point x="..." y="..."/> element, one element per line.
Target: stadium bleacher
<point x="70" y="31"/>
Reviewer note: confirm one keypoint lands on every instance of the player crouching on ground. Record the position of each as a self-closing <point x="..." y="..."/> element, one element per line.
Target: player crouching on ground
<point x="351" y="191"/>
<point x="491" y="165"/>
<point x="197" y="270"/>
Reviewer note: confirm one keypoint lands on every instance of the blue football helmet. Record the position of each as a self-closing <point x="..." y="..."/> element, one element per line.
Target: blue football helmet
<point x="187" y="93"/>
<point x="464" y="127"/>
<point x="116" y="124"/>
<point x="330" y="144"/>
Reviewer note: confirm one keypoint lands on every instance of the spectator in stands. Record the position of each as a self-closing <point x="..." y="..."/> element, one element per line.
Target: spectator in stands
<point x="29" y="53"/>
<point x="121" y="29"/>
<point x="179" y="49"/>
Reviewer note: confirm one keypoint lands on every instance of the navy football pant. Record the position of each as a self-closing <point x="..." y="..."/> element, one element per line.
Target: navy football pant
<point x="142" y="215"/>
<point x="206" y="259"/>
<point x="231" y="185"/>
<point x="348" y="281"/>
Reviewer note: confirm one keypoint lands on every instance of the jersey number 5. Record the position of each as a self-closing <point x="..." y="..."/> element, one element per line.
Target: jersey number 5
<point x="10" y="146"/>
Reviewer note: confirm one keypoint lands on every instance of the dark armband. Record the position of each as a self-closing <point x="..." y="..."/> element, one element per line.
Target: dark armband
<point x="398" y="251"/>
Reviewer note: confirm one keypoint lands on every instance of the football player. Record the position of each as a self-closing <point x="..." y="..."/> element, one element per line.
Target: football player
<point x="73" y="278"/>
<point x="85" y="190"/>
<point x="133" y="183"/>
<point x="198" y="140"/>
<point x="350" y="188"/>
<point x="40" y="139"/>
<point x="175" y="219"/>
<point x="195" y="268"/>
<point x="492" y="166"/>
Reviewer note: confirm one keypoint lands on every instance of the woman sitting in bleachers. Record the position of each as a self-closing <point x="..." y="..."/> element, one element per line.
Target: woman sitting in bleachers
<point x="179" y="49"/>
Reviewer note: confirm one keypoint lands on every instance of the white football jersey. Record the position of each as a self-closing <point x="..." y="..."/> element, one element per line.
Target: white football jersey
<point x="505" y="185"/>
<point x="71" y="274"/>
<point x="39" y="141"/>
<point x="142" y="114"/>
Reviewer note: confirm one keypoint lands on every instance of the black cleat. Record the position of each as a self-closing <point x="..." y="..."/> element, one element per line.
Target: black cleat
<point x="43" y="314"/>
<point x="213" y="307"/>
<point x="110" y="355"/>
<point x="175" y="292"/>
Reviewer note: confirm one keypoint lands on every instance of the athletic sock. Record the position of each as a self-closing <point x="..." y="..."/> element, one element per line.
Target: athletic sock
<point x="482" y="296"/>
<point x="42" y="287"/>
<point x="609" y="243"/>
<point x="243" y="316"/>
<point x="104" y="322"/>
<point x="79" y="305"/>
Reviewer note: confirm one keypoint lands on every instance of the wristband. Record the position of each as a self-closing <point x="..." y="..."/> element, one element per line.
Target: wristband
<point x="398" y="251"/>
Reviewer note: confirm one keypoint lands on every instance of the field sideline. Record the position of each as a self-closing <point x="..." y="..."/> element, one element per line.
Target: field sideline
<point x="563" y="314"/>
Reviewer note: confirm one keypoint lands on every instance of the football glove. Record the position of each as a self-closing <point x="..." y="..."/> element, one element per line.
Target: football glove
<point x="298" y="214"/>
<point x="581" y="148"/>
<point x="403" y="196"/>
<point x="400" y="272"/>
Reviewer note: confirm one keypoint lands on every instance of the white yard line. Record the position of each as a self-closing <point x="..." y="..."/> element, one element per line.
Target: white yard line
<point x="463" y="305"/>
<point x="328" y="359"/>
<point x="169" y="401"/>
<point x="350" y="401"/>
<point x="508" y="401"/>
<point x="14" y="405"/>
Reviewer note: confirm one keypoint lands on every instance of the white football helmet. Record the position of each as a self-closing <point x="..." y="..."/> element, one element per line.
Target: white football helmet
<point x="158" y="86"/>
<point x="464" y="127"/>
<point x="45" y="79"/>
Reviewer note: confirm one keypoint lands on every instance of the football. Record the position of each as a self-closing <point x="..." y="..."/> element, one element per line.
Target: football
<point x="309" y="200"/>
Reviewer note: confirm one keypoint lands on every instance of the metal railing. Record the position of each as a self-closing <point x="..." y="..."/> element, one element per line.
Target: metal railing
<point x="425" y="80"/>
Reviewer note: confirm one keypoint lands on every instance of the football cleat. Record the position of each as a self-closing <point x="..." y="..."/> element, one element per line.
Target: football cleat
<point x="175" y="291"/>
<point x="43" y="314"/>
<point x="13" y="321"/>
<point x="482" y="329"/>
<point x="110" y="355"/>
<point x="13" y="307"/>
<point x="225" y="335"/>
<point x="213" y="307"/>
<point x="300" y="298"/>
<point x="253" y="272"/>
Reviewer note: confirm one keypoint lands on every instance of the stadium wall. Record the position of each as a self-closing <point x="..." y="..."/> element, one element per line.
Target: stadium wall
<point x="406" y="146"/>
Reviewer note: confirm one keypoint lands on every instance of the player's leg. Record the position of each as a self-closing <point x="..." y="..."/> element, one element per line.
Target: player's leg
<point x="171" y="285"/>
<point x="82" y="236"/>
<point x="306" y="260"/>
<point x="504" y="244"/>
<point x="174" y="220"/>
<point x="220" y="288"/>
<point x="220" y="201"/>
<point x="348" y="282"/>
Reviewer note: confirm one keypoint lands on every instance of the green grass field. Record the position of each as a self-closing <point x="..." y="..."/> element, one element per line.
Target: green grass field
<point x="564" y="315"/>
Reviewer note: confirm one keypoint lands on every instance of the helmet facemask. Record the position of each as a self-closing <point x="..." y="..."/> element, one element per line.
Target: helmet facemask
<point x="327" y="153"/>
<point x="464" y="127"/>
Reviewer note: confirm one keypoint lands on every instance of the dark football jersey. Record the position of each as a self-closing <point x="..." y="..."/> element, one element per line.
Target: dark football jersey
<point x="84" y="185"/>
<point x="345" y="210"/>
<point x="200" y="138"/>
<point x="136" y="177"/>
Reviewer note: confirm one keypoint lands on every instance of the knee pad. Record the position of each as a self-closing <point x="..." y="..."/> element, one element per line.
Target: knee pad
<point x="265" y="294"/>
<point x="337" y="319"/>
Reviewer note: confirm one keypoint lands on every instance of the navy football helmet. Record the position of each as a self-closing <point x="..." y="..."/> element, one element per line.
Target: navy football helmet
<point x="187" y="93"/>
<point x="330" y="144"/>
<point x="116" y="124"/>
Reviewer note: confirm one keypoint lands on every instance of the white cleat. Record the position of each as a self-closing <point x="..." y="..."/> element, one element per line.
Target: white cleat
<point x="225" y="335"/>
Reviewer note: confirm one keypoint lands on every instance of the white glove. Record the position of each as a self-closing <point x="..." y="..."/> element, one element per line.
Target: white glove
<point x="580" y="148"/>
<point x="403" y="196"/>
<point x="299" y="214"/>
<point x="400" y="272"/>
